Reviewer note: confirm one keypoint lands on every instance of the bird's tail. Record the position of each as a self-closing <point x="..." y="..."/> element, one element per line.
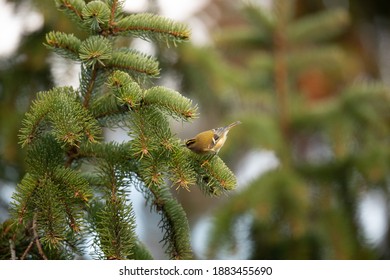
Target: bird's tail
<point x="233" y="124"/>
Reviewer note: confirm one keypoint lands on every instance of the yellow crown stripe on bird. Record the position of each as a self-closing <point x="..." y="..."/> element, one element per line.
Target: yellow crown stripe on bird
<point x="210" y="141"/>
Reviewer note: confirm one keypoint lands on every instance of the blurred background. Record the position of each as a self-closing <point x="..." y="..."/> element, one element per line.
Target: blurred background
<point x="307" y="78"/>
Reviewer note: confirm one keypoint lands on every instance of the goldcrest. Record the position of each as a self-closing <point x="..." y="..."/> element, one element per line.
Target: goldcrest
<point x="210" y="141"/>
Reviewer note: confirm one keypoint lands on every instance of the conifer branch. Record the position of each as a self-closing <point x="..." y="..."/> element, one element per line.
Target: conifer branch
<point x="134" y="63"/>
<point x="125" y="89"/>
<point x="176" y="227"/>
<point x="214" y="177"/>
<point x="27" y="249"/>
<point x="95" y="16"/>
<point x="140" y="252"/>
<point x="173" y="223"/>
<point x="26" y="190"/>
<point x="113" y="219"/>
<point x="115" y="227"/>
<point x="66" y="45"/>
<point x="70" y="120"/>
<point x="31" y="124"/>
<point x="153" y="27"/>
<point x="149" y="129"/>
<point x="72" y="8"/>
<point x="36" y="237"/>
<point x="115" y="8"/>
<point x="109" y="111"/>
<point x="181" y="173"/>
<point x="95" y="50"/>
<point x="172" y="102"/>
<point x="91" y="82"/>
<point x="90" y="87"/>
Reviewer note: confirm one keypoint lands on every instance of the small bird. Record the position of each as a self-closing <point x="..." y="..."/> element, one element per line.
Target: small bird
<point x="210" y="141"/>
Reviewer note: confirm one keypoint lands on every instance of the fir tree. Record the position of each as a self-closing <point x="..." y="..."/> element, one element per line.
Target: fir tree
<point x="77" y="185"/>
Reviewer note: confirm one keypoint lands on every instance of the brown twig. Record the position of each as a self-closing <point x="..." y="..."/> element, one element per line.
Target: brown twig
<point x="27" y="249"/>
<point x="36" y="237"/>
<point x="112" y="15"/>
<point x="90" y="87"/>
<point x="12" y="249"/>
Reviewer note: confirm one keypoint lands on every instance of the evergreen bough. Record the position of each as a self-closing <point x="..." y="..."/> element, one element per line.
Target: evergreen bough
<point x="77" y="185"/>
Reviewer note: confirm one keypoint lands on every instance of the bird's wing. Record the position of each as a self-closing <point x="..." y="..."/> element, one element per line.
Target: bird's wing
<point x="218" y="132"/>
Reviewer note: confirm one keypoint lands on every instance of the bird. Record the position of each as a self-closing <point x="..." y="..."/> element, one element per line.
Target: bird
<point x="210" y="141"/>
